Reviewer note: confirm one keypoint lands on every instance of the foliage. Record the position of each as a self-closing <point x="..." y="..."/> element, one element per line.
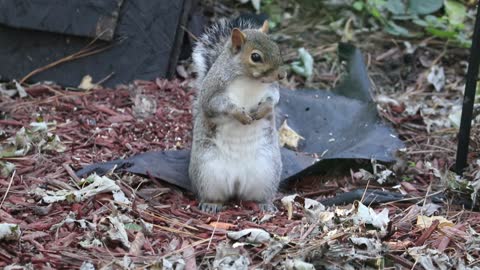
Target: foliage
<point x="427" y="14"/>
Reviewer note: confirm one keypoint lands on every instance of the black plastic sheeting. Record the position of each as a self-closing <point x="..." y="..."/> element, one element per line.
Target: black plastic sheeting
<point x="84" y="18"/>
<point x="341" y="124"/>
<point x="146" y="42"/>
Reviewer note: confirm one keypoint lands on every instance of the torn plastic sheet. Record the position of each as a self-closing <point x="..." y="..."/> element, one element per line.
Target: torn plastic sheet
<point x="338" y="125"/>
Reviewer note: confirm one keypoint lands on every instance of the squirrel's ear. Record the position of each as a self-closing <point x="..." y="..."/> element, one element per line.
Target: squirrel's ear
<point x="238" y="39"/>
<point x="264" y="28"/>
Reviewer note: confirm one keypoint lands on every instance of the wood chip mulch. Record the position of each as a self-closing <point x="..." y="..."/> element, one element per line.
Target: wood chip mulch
<point x="105" y="124"/>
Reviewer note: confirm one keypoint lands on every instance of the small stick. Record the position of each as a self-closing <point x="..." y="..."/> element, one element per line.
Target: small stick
<point x="82" y="53"/>
<point x="71" y="172"/>
<point x="8" y="188"/>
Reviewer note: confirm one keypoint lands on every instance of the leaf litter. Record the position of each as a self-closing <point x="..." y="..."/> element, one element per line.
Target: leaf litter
<point x="101" y="221"/>
<point x="161" y="227"/>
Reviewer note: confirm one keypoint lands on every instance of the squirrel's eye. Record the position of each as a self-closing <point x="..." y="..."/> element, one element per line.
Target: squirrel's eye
<point x="256" y="58"/>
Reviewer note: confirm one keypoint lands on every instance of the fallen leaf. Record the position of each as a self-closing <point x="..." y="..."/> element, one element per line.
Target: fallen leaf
<point x="367" y="215"/>
<point x="288" y="136"/>
<point x="9" y="232"/>
<point x="256" y="236"/>
<point x="86" y="83"/>
<point x="436" y="77"/>
<point x="424" y="222"/>
<point x="229" y="258"/>
<point x="221" y="225"/>
<point x="298" y="264"/>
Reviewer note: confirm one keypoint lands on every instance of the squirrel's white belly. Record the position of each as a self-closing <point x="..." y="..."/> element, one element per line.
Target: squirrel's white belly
<point x="243" y="164"/>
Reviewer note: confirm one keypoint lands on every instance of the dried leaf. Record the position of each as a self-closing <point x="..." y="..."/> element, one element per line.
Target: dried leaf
<point x="298" y="264"/>
<point x="229" y="258"/>
<point x="86" y="83"/>
<point x="288" y="136"/>
<point x="424" y="222"/>
<point x="98" y="184"/>
<point x="221" y="225"/>
<point x="87" y="266"/>
<point x="367" y="215"/>
<point x="117" y="231"/>
<point x="255" y="236"/>
<point x="9" y="232"/>
<point x="436" y="77"/>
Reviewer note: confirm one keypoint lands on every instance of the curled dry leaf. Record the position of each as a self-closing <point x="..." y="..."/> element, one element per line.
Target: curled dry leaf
<point x="254" y="236"/>
<point x="367" y="215"/>
<point x="288" y="136"/>
<point x="86" y="83"/>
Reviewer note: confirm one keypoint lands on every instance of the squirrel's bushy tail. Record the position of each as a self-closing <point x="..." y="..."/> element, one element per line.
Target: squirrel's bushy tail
<point x="212" y="42"/>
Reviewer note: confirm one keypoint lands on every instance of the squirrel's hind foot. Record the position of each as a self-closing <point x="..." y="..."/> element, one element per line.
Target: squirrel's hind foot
<point x="267" y="207"/>
<point x="210" y="207"/>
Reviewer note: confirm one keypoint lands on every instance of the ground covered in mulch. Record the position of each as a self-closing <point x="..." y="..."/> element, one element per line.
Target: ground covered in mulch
<point x="58" y="131"/>
<point x="51" y="219"/>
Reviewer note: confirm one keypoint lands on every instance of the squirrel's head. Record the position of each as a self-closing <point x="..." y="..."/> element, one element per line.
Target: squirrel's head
<point x="258" y="54"/>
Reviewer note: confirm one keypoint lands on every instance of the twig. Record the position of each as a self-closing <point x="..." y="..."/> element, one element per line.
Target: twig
<point x="8" y="188"/>
<point x="86" y="51"/>
<point x="213" y="232"/>
<point x="168" y="229"/>
<point x="105" y="79"/>
<point x="170" y="221"/>
<point x="189" y="33"/>
<point x="365" y="191"/>
<point x="70" y="172"/>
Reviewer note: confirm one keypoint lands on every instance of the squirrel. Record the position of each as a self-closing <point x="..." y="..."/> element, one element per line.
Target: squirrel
<point x="235" y="148"/>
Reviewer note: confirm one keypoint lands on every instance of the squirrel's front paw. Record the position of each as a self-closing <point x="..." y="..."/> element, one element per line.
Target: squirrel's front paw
<point x="243" y="117"/>
<point x="263" y="109"/>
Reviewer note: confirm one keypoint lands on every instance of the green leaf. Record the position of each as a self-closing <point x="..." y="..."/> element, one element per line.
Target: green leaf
<point x="441" y="33"/>
<point x="423" y="7"/>
<point x="456" y="12"/>
<point x="358" y="5"/>
<point x="397" y="30"/>
<point x="396" y="7"/>
<point x="133" y="227"/>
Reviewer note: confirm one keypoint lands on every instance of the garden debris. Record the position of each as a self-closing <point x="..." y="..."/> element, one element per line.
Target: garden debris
<point x="304" y="66"/>
<point x="37" y="136"/>
<point x="9" y="232"/>
<point x="94" y="185"/>
<point x="253" y="236"/>
<point x="86" y="83"/>
<point x="367" y="215"/>
<point x="163" y="226"/>
<point x="424" y="222"/>
<point x="436" y="77"/>
<point x="288" y="136"/>
<point x="298" y="265"/>
<point x="230" y="258"/>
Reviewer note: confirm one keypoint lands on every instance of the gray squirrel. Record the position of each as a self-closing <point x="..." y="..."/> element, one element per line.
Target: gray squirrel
<point x="235" y="150"/>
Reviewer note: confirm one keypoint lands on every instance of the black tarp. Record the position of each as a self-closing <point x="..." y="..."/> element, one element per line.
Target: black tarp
<point x="146" y="41"/>
<point x="338" y="126"/>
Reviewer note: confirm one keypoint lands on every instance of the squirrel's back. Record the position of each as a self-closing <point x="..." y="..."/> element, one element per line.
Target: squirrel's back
<point x="211" y="44"/>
